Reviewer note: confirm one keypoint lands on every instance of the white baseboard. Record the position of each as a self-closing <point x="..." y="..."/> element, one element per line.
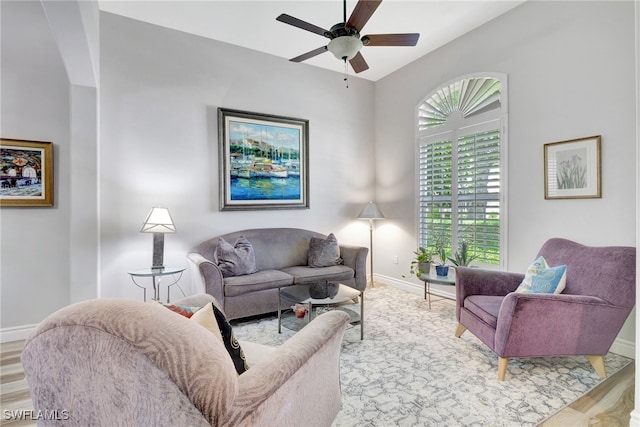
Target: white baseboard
<point x="16" y="333"/>
<point x="620" y="346"/>
<point x="624" y="348"/>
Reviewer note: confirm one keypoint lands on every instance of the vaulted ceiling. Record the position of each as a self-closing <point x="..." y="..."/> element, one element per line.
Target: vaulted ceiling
<point x="252" y="24"/>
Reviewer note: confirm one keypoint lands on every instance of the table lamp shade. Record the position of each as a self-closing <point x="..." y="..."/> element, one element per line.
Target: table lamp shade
<point x="371" y="211"/>
<point x="158" y="221"/>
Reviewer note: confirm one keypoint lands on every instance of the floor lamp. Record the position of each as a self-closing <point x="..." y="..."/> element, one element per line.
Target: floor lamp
<point x="371" y="212"/>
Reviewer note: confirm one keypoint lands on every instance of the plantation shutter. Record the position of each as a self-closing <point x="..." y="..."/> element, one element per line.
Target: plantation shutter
<point x="435" y="176"/>
<point x="460" y="177"/>
<point x="478" y="201"/>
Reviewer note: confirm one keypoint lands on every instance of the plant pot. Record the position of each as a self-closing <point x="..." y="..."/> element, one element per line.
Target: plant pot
<point x="442" y="270"/>
<point x="425" y="267"/>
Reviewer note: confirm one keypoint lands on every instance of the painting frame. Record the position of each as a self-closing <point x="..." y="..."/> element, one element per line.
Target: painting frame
<point x="26" y="173"/>
<point x="263" y="161"/>
<point x="573" y="169"/>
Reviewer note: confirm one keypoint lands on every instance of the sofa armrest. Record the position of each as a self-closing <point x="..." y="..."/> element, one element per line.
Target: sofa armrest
<point x="209" y="274"/>
<point x="538" y="324"/>
<point x="356" y="258"/>
<point x="476" y="281"/>
<point x="299" y="378"/>
<point x="197" y="300"/>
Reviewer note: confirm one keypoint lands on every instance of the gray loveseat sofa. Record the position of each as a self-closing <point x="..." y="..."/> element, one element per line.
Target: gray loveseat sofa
<point x="281" y="260"/>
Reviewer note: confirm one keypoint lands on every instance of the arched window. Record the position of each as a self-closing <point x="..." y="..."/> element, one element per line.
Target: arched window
<point x="461" y="135"/>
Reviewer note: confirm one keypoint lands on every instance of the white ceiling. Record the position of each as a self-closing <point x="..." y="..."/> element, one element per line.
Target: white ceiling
<point x="252" y="24"/>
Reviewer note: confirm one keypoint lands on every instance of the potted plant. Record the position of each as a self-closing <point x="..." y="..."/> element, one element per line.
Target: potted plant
<point x="441" y="268"/>
<point x="421" y="264"/>
<point x="462" y="258"/>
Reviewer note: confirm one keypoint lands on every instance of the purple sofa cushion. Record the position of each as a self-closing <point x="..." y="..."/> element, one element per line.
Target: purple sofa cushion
<point x="486" y="307"/>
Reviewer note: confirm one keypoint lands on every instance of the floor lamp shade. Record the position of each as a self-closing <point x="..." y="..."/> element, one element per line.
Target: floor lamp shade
<point x="158" y="222"/>
<point x="372" y="213"/>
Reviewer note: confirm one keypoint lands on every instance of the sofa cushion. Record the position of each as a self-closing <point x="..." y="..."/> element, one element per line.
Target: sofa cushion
<point x="256" y="353"/>
<point x="230" y="341"/>
<point x="540" y="278"/>
<point x="303" y="274"/>
<point x="486" y="307"/>
<point x="235" y="260"/>
<point x="324" y="252"/>
<point x="205" y="318"/>
<point x="258" y="281"/>
<point x="186" y="311"/>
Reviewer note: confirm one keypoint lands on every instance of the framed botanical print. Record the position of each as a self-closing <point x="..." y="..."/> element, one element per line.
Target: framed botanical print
<point x="572" y="169"/>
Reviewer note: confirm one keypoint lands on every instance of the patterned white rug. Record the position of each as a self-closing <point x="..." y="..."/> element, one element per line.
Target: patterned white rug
<point x="410" y="370"/>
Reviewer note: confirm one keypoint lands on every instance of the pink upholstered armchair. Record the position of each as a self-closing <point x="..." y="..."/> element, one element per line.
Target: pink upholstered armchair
<point x="582" y="320"/>
<point x="118" y="362"/>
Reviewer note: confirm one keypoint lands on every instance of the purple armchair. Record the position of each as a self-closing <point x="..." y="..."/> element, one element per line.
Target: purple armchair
<point x="583" y="320"/>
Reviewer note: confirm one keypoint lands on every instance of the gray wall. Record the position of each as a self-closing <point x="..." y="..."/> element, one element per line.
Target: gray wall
<point x="35" y="242"/>
<point x="160" y="90"/>
<point x="570" y="68"/>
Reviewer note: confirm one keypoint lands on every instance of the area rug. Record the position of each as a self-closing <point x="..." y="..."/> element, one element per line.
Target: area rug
<point x="410" y="369"/>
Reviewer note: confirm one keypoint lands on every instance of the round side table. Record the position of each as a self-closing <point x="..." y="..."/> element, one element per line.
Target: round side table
<point x="156" y="275"/>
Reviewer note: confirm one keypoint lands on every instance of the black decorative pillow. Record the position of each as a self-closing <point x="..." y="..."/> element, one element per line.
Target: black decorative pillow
<point x="235" y="260"/>
<point x="230" y="341"/>
<point x="324" y="252"/>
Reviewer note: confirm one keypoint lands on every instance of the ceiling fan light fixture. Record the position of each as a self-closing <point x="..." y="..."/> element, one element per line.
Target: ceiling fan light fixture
<point x="345" y="47"/>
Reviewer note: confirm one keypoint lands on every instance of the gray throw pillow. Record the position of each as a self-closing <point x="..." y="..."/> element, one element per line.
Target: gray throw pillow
<point x="235" y="260"/>
<point x="324" y="252"/>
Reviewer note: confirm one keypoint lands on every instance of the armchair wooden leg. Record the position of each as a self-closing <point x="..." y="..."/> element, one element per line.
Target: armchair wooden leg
<point x="598" y="364"/>
<point x="460" y="330"/>
<point x="502" y="367"/>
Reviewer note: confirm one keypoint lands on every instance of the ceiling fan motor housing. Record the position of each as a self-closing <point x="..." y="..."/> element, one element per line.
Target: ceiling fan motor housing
<point x="345" y="41"/>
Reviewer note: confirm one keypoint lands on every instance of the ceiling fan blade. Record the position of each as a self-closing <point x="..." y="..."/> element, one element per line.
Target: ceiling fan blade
<point x="362" y="12"/>
<point x="310" y="54"/>
<point x="288" y="19"/>
<point x="358" y="63"/>
<point x="409" y="39"/>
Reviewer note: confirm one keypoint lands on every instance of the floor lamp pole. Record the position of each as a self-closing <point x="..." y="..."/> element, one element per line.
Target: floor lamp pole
<point x="371" y="212"/>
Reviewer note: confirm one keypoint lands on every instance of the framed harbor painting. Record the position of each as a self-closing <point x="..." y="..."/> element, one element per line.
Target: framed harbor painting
<point x="572" y="169"/>
<point x="26" y="173"/>
<point x="263" y="161"/>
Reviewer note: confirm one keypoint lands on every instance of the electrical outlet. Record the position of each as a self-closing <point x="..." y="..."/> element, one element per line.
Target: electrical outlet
<point x="395" y="259"/>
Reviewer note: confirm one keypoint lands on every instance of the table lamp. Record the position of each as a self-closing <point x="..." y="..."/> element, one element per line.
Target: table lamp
<point x="372" y="213"/>
<point x="158" y="222"/>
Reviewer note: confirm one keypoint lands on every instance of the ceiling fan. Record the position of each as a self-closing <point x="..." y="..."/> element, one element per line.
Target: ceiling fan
<point x="345" y="41"/>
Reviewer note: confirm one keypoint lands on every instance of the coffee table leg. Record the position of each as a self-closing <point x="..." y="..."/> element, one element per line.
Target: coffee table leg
<point x="279" y="314"/>
<point x="361" y="315"/>
<point x="309" y="312"/>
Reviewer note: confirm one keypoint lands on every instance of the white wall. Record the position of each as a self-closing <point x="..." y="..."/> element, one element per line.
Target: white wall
<point x="35" y="242"/>
<point x="160" y="90"/>
<point x="570" y="68"/>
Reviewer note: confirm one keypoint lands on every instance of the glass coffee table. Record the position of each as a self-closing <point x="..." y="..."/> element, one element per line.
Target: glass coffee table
<point x="300" y="294"/>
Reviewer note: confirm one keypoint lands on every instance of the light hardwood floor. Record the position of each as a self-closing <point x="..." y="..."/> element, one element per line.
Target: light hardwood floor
<point x="608" y="405"/>
<point x="14" y="391"/>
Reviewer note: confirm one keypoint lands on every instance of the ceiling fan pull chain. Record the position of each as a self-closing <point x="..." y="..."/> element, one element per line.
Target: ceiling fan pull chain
<point x="346" y="74"/>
